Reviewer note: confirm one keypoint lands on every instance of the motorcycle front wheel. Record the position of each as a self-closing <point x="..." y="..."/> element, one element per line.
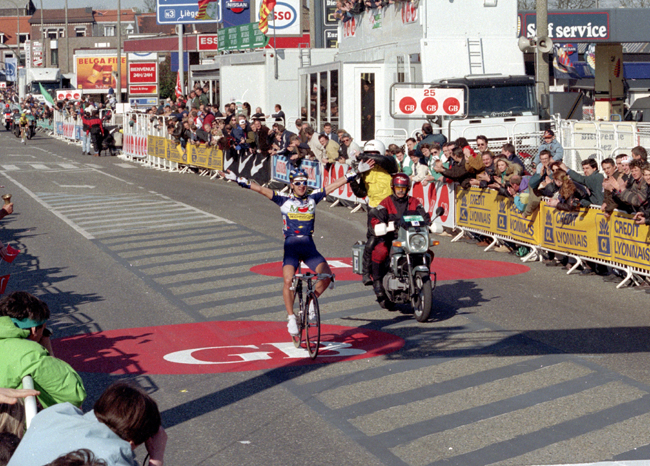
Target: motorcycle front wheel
<point x="422" y="302"/>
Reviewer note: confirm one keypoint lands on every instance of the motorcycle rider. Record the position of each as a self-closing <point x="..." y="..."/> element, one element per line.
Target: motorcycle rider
<point x="390" y="212"/>
<point x="376" y="185"/>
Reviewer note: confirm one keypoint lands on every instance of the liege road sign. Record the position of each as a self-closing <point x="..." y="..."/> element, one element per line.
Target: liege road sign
<point x="188" y="11"/>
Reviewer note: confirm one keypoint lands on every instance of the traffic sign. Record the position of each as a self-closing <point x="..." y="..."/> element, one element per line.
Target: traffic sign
<point x="188" y="11"/>
<point x="143" y="101"/>
<point x="417" y="100"/>
<point x="143" y="72"/>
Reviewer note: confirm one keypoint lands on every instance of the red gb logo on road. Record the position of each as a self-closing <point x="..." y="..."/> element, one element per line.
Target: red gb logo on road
<point x="408" y="105"/>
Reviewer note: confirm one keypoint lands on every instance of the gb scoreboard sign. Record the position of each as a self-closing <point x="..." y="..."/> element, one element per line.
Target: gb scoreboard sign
<point x="422" y="100"/>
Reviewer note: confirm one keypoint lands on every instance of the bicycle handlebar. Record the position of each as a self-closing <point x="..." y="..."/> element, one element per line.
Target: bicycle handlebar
<point x="310" y="276"/>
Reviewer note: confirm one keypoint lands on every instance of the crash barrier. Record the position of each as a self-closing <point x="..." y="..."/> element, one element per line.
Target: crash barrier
<point x="46" y="124"/>
<point x="69" y="127"/>
<point x="586" y="235"/>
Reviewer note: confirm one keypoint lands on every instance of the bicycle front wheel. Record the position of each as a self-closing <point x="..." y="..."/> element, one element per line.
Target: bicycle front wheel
<point x="312" y="325"/>
<point x="300" y="317"/>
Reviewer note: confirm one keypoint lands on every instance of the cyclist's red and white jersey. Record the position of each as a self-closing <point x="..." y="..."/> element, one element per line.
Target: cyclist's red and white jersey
<point x="298" y="215"/>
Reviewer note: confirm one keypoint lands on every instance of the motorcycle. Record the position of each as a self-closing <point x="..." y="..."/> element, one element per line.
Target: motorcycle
<point x="7" y="121"/>
<point x="408" y="279"/>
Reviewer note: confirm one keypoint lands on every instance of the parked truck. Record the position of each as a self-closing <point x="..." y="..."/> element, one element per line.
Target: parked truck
<point x="50" y="78"/>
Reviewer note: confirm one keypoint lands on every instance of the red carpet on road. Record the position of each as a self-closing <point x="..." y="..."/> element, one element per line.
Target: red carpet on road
<point x="446" y="268"/>
<point x="211" y="347"/>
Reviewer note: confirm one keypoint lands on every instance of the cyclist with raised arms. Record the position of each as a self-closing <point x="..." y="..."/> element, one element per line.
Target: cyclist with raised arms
<point x="298" y="218"/>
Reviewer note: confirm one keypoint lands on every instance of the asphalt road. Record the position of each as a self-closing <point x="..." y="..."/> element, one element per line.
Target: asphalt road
<point x="137" y="264"/>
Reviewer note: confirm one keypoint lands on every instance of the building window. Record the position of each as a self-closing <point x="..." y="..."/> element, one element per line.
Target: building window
<point x="24" y="37"/>
<point x="109" y="31"/>
<point x="2" y="38"/>
<point x="55" y="57"/>
<point x="80" y="31"/>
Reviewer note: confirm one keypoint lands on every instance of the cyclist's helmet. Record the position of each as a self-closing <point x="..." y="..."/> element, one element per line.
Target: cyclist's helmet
<point x="298" y="174"/>
<point x="401" y="180"/>
<point x="375" y="146"/>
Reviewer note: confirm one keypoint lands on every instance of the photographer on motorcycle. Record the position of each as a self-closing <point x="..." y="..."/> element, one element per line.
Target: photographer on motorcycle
<point x="390" y="212"/>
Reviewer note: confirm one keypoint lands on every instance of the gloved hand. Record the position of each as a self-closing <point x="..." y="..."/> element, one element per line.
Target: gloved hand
<point x="243" y="182"/>
<point x="230" y="176"/>
<point x="363" y="167"/>
<point x="351" y="175"/>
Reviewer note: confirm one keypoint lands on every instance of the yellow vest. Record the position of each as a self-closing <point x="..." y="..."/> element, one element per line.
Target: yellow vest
<point x="378" y="185"/>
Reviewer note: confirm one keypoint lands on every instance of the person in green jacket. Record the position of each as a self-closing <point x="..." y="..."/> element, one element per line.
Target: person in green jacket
<point x="25" y="349"/>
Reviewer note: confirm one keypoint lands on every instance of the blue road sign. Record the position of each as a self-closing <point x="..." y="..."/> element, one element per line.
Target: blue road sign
<point x="143" y="101"/>
<point x="188" y="11"/>
<point x="10" y="69"/>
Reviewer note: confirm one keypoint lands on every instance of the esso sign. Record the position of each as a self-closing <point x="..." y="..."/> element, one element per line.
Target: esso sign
<point x="409" y="13"/>
<point x="208" y="42"/>
<point x="71" y="94"/>
<point x="284" y="16"/>
<point x="424" y="102"/>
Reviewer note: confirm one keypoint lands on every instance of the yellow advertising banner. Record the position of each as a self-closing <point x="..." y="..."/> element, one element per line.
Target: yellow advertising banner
<point x="96" y="72"/>
<point x="476" y="209"/>
<point x="484" y="209"/>
<point x="630" y="243"/>
<point x="201" y="156"/>
<point x="586" y="233"/>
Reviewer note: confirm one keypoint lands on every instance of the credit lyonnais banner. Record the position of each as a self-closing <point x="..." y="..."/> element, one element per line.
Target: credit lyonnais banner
<point x="484" y="209"/>
<point x="202" y="156"/>
<point x="630" y="243"/>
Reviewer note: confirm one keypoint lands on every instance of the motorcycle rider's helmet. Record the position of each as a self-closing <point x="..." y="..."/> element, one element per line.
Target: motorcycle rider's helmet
<point x="298" y="174"/>
<point x="401" y="180"/>
<point x="375" y="146"/>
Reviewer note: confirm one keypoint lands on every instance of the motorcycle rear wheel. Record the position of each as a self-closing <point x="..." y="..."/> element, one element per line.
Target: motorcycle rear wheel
<point x="423" y="302"/>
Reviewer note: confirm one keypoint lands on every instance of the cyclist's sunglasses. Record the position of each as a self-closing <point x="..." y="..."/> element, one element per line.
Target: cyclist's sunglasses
<point x="300" y="182"/>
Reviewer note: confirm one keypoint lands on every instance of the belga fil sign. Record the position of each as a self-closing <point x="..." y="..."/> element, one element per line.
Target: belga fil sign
<point x="285" y="20"/>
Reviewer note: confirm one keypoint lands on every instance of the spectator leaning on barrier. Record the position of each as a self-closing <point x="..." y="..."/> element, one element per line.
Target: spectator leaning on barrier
<point x="612" y="175"/>
<point x="643" y="216"/>
<point x="123" y="418"/>
<point x="552" y="145"/>
<point x="456" y="171"/>
<point x="503" y="171"/>
<point x="592" y="179"/>
<point x="632" y="195"/>
<point x="26" y="350"/>
<point x="570" y="194"/>
<point x="331" y="149"/>
<point x="486" y="177"/>
<point x="327" y="129"/>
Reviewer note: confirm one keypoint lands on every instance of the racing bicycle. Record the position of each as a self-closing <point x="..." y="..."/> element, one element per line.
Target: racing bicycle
<point x="309" y="325"/>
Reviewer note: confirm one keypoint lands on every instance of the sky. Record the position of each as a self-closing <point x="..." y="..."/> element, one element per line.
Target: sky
<point x="97" y="4"/>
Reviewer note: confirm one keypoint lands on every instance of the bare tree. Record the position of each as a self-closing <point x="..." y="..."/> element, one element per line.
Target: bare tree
<point x="524" y="5"/>
<point x="149" y="6"/>
<point x="634" y="3"/>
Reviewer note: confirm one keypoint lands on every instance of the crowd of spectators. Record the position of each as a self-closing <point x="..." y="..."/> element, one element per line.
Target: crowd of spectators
<point x="60" y="434"/>
<point x="346" y="9"/>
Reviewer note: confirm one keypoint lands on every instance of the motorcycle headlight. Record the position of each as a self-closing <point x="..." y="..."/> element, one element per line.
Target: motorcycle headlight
<point x="418" y="243"/>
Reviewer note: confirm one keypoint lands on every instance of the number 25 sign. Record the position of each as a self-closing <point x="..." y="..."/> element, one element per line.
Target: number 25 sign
<point x="421" y="102"/>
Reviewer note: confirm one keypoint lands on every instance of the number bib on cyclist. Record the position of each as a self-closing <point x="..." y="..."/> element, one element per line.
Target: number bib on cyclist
<point x="298" y="215"/>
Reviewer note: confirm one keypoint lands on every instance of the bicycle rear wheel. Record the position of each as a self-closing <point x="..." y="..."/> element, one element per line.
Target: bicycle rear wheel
<point x="312" y="326"/>
<point x="297" y="296"/>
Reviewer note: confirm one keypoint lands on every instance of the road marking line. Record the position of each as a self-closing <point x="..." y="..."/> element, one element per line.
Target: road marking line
<point x="93" y="165"/>
<point x="124" y="165"/>
<point x="67" y="165"/>
<point x="39" y="166"/>
<point x="10" y="167"/>
<point x="74" y="226"/>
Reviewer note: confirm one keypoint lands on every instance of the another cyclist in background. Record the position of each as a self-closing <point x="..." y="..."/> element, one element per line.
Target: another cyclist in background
<point x="298" y="218"/>
<point x="23" y="122"/>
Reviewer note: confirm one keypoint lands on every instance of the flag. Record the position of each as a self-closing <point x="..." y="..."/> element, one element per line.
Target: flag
<point x="46" y="95"/>
<point x="265" y="11"/>
<point x="8" y="254"/>
<point x="203" y="10"/>
<point x="179" y="88"/>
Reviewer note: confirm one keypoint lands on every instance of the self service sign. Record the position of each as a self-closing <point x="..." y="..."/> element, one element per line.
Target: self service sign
<point x="415" y="102"/>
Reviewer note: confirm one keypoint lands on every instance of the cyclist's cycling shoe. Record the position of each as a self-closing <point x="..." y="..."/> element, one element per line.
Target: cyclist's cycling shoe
<point x="292" y="326"/>
<point x="312" y="312"/>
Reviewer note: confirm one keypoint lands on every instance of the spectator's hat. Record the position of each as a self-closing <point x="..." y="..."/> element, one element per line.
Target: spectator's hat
<point x="627" y="160"/>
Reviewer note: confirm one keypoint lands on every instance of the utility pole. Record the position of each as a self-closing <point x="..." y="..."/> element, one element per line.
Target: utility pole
<point x="67" y="42"/>
<point x="118" y="86"/>
<point x="542" y="66"/>
<point x="181" y="58"/>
